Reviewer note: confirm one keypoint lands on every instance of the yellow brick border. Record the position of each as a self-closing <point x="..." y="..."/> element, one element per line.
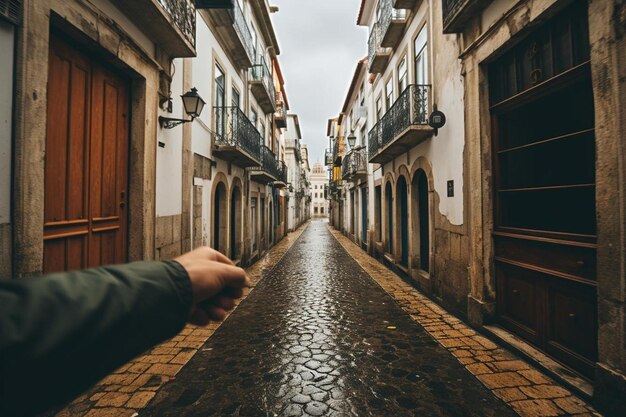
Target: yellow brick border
<point x="130" y="388"/>
<point x="526" y="390"/>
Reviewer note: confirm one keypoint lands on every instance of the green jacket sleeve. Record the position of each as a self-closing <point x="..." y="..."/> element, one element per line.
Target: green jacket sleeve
<point x="61" y="333"/>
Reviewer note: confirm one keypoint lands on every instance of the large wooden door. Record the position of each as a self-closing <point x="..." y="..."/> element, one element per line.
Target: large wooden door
<point x="86" y="171"/>
<point x="545" y="213"/>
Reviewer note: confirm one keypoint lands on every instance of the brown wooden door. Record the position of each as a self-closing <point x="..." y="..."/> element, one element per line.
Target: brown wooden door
<point x="544" y="197"/>
<point x="86" y="162"/>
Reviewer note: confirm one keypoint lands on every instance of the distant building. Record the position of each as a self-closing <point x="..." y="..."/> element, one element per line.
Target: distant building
<point x="319" y="181"/>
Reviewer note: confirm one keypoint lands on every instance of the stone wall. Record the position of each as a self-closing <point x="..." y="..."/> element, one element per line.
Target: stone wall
<point x="168" y="236"/>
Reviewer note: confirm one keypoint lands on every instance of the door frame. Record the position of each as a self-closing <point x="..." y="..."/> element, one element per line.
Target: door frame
<point x="30" y="136"/>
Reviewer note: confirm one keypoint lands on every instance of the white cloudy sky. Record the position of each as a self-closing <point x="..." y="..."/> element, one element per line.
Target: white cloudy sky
<point x="320" y="45"/>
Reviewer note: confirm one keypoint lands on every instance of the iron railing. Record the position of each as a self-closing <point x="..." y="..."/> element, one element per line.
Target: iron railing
<point x="271" y="165"/>
<point x="183" y="13"/>
<point x="450" y="8"/>
<point x="374" y="43"/>
<point x="411" y="108"/>
<point x="354" y="163"/>
<point x="388" y="14"/>
<point x="261" y="72"/>
<point x="243" y="30"/>
<point x="233" y="128"/>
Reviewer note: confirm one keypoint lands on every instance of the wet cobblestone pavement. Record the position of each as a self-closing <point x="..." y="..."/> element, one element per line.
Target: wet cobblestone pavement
<point x="318" y="337"/>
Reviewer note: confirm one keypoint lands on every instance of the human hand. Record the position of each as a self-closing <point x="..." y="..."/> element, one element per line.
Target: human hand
<point x="215" y="282"/>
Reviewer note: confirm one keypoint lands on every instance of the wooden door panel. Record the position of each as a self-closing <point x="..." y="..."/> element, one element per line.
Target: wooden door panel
<point x="518" y="291"/>
<point x="571" y="323"/>
<point x="65" y="201"/>
<point x="109" y="144"/>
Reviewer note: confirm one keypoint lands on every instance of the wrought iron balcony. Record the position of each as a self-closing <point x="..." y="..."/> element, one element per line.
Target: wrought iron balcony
<point x="354" y="165"/>
<point x="281" y="115"/>
<point x="230" y="23"/>
<point x="236" y="138"/>
<point x="378" y="57"/>
<point x="270" y="169"/>
<point x="169" y="23"/>
<point x="392" y="23"/>
<point x="456" y="13"/>
<point x="262" y="85"/>
<point x="403" y="126"/>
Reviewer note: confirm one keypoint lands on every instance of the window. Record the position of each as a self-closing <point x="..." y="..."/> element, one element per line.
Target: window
<point x="315" y="195"/>
<point x="254" y="41"/>
<point x="379" y="108"/>
<point x="322" y="210"/>
<point x="402" y="76"/>
<point x="389" y="94"/>
<point x="363" y="135"/>
<point x="254" y="118"/>
<point x="236" y="98"/>
<point x="262" y="132"/>
<point x="315" y="210"/>
<point x="421" y="58"/>
<point x="220" y="99"/>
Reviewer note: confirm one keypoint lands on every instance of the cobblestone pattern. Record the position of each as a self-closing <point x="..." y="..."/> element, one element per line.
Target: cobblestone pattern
<point x="130" y="388"/>
<point x="318" y="337"/>
<point x="529" y="392"/>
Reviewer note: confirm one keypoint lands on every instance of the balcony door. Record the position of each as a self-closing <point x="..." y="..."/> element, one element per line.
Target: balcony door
<point x="220" y="101"/>
<point x="421" y="57"/>
<point x="86" y="162"/>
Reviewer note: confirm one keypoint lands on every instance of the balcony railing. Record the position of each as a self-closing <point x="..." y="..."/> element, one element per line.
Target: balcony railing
<point x="404" y="124"/>
<point x="392" y="23"/>
<point x="377" y="55"/>
<point x="171" y="24"/>
<point x="236" y="137"/>
<point x="456" y="13"/>
<point x="354" y="164"/>
<point x="262" y="85"/>
<point x="270" y="169"/>
<point x="227" y="18"/>
<point x="243" y="30"/>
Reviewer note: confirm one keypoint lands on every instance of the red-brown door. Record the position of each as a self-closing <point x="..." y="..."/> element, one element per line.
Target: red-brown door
<point x="86" y="162"/>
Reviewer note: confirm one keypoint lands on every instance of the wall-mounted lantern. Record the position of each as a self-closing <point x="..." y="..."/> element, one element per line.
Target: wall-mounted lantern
<point x="352" y="140"/>
<point x="437" y="119"/>
<point x="193" y="104"/>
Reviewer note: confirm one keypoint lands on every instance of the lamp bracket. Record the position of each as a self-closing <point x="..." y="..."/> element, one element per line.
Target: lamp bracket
<point x="170" y="123"/>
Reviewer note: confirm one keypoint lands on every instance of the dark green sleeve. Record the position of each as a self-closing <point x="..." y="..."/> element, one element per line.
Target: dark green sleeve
<point x="61" y="333"/>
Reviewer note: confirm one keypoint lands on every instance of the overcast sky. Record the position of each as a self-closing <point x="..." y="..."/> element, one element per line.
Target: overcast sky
<point x="320" y="45"/>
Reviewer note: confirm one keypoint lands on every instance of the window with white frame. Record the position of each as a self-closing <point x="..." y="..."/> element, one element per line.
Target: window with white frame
<point x="402" y="75"/>
<point x="389" y="94"/>
<point x="421" y="57"/>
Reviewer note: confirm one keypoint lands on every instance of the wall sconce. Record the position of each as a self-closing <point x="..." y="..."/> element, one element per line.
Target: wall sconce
<point x="193" y="104"/>
<point x="352" y="140"/>
<point x="437" y="119"/>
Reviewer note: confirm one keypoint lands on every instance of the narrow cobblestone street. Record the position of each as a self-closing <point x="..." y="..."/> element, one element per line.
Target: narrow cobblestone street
<point x="319" y="337"/>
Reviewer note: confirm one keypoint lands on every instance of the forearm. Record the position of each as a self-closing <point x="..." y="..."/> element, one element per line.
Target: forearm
<point x="63" y="332"/>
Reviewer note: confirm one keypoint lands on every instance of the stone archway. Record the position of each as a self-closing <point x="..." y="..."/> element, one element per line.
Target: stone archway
<point x="389" y="217"/>
<point x="422" y="218"/>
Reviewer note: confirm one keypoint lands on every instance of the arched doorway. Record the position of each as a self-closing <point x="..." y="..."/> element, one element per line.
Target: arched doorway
<point x="271" y="215"/>
<point x="389" y="209"/>
<point x="235" y="223"/>
<point x="403" y="217"/>
<point x="421" y="220"/>
<point x="219" y="218"/>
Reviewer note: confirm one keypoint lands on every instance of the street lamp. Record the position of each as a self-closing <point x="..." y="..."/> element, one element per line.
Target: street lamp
<point x="193" y="104"/>
<point x="352" y="140"/>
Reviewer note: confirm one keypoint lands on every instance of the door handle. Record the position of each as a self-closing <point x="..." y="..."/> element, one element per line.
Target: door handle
<point x="122" y="204"/>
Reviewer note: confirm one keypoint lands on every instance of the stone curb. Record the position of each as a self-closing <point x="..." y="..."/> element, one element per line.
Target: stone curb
<point x="529" y="392"/>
